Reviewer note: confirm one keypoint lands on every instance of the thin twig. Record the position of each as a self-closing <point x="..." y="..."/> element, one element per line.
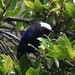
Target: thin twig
<point x="10" y="39"/>
<point x="9" y="34"/>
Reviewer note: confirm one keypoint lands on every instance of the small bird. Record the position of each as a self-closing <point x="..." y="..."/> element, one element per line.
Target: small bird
<point x="30" y="37"/>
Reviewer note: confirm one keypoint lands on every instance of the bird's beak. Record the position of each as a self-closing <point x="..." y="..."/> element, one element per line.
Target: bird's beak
<point x="52" y="31"/>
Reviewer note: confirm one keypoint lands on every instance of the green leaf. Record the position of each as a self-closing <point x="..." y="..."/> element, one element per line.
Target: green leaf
<point x="62" y="52"/>
<point x="56" y="62"/>
<point x="11" y="73"/>
<point x="12" y="5"/>
<point x="36" y="69"/>
<point x="70" y="9"/>
<point x="29" y="4"/>
<point x="8" y="62"/>
<point x="1" y="10"/>
<point x="55" y="9"/>
<point x="65" y="14"/>
<point x="37" y="63"/>
<point x="38" y="6"/>
<point x="2" y="4"/>
<point x="19" y="26"/>
<point x="68" y="62"/>
<point x="2" y="71"/>
<point x="9" y="13"/>
<point x="67" y="42"/>
<point x="32" y="71"/>
<point x="17" y="9"/>
<point x="54" y="54"/>
<point x="48" y="7"/>
<point x="26" y="13"/>
<point x="45" y="73"/>
<point x="17" y="69"/>
<point x="73" y="43"/>
<point x="74" y="48"/>
<point x="64" y="41"/>
<point x="61" y="41"/>
<point x="70" y="52"/>
<point x="2" y="63"/>
<point x="24" y="64"/>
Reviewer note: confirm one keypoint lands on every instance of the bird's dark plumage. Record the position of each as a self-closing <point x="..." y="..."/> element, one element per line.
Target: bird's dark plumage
<point x="30" y="36"/>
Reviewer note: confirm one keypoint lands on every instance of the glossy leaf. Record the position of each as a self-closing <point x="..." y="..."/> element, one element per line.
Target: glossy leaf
<point x="70" y="52"/>
<point x="1" y="10"/>
<point x="7" y="61"/>
<point x="64" y="41"/>
<point x="29" y="4"/>
<point x="17" y="69"/>
<point x="70" y="9"/>
<point x="55" y="9"/>
<point x="62" y="52"/>
<point x="32" y="71"/>
<point x="2" y="4"/>
<point x="56" y="62"/>
<point x="10" y="13"/>
<point x="11" y="72"/>
<point x="67" y="42"/>
<point x="17" y="9"/>
<point x="38" y="6"/>
<point x="68" y="62"/>
<point x="48" y="7"/>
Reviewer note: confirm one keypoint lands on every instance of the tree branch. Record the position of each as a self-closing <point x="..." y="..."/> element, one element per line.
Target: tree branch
<point x="28" y="21"/>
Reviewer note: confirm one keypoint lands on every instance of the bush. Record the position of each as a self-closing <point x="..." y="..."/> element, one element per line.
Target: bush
<point x="56" y="52"/>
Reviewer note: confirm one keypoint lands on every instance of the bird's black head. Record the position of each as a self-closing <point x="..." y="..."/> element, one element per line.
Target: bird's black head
<point x="42" y="28"/>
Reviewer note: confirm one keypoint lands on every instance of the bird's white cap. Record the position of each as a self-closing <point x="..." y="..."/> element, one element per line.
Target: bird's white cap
<point x="46" y="25"/>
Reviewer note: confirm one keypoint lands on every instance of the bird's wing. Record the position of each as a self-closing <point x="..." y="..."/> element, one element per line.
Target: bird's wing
<point x="23" y="43"/>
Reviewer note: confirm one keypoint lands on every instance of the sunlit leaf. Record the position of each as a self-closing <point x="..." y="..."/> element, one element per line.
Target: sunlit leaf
<point x="10" y="13"/>
<point x="17" y="9"/>
<point x="70" y="9"/>
<point x="70" y="52"/>
<point x="62" y="52"/>
<point x="64" y="41"/>
<point x="17" y="69"/>
<point x="1" y="10"/>
<point x="32" y="71"/>
<point x="11" y="72"/>
<point x="56" y="62"/>
<point x="68" y="62"/>
<point x="38" y="6"/>
<point x="7" y="61"/>
<point x="48" y="7"/>
<point x="29" y="4"/>
<point x="55" y="9"/>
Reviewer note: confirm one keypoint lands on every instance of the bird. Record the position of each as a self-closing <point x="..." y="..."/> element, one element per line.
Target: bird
<point x="30" y="37"/>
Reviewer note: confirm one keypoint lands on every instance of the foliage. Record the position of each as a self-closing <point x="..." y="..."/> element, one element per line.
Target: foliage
<point x="56" y="52"/>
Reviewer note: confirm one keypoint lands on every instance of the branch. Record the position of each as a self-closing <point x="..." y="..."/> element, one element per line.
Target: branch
<point x="70" y="34"/>
<point x="58" y="26"/>
<point x="9" y="34"/>
<point x="26" y="20"/>
<point x="3" y="47"/>
<point x="7" y="37"/>
<point x="5" y="27"/>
